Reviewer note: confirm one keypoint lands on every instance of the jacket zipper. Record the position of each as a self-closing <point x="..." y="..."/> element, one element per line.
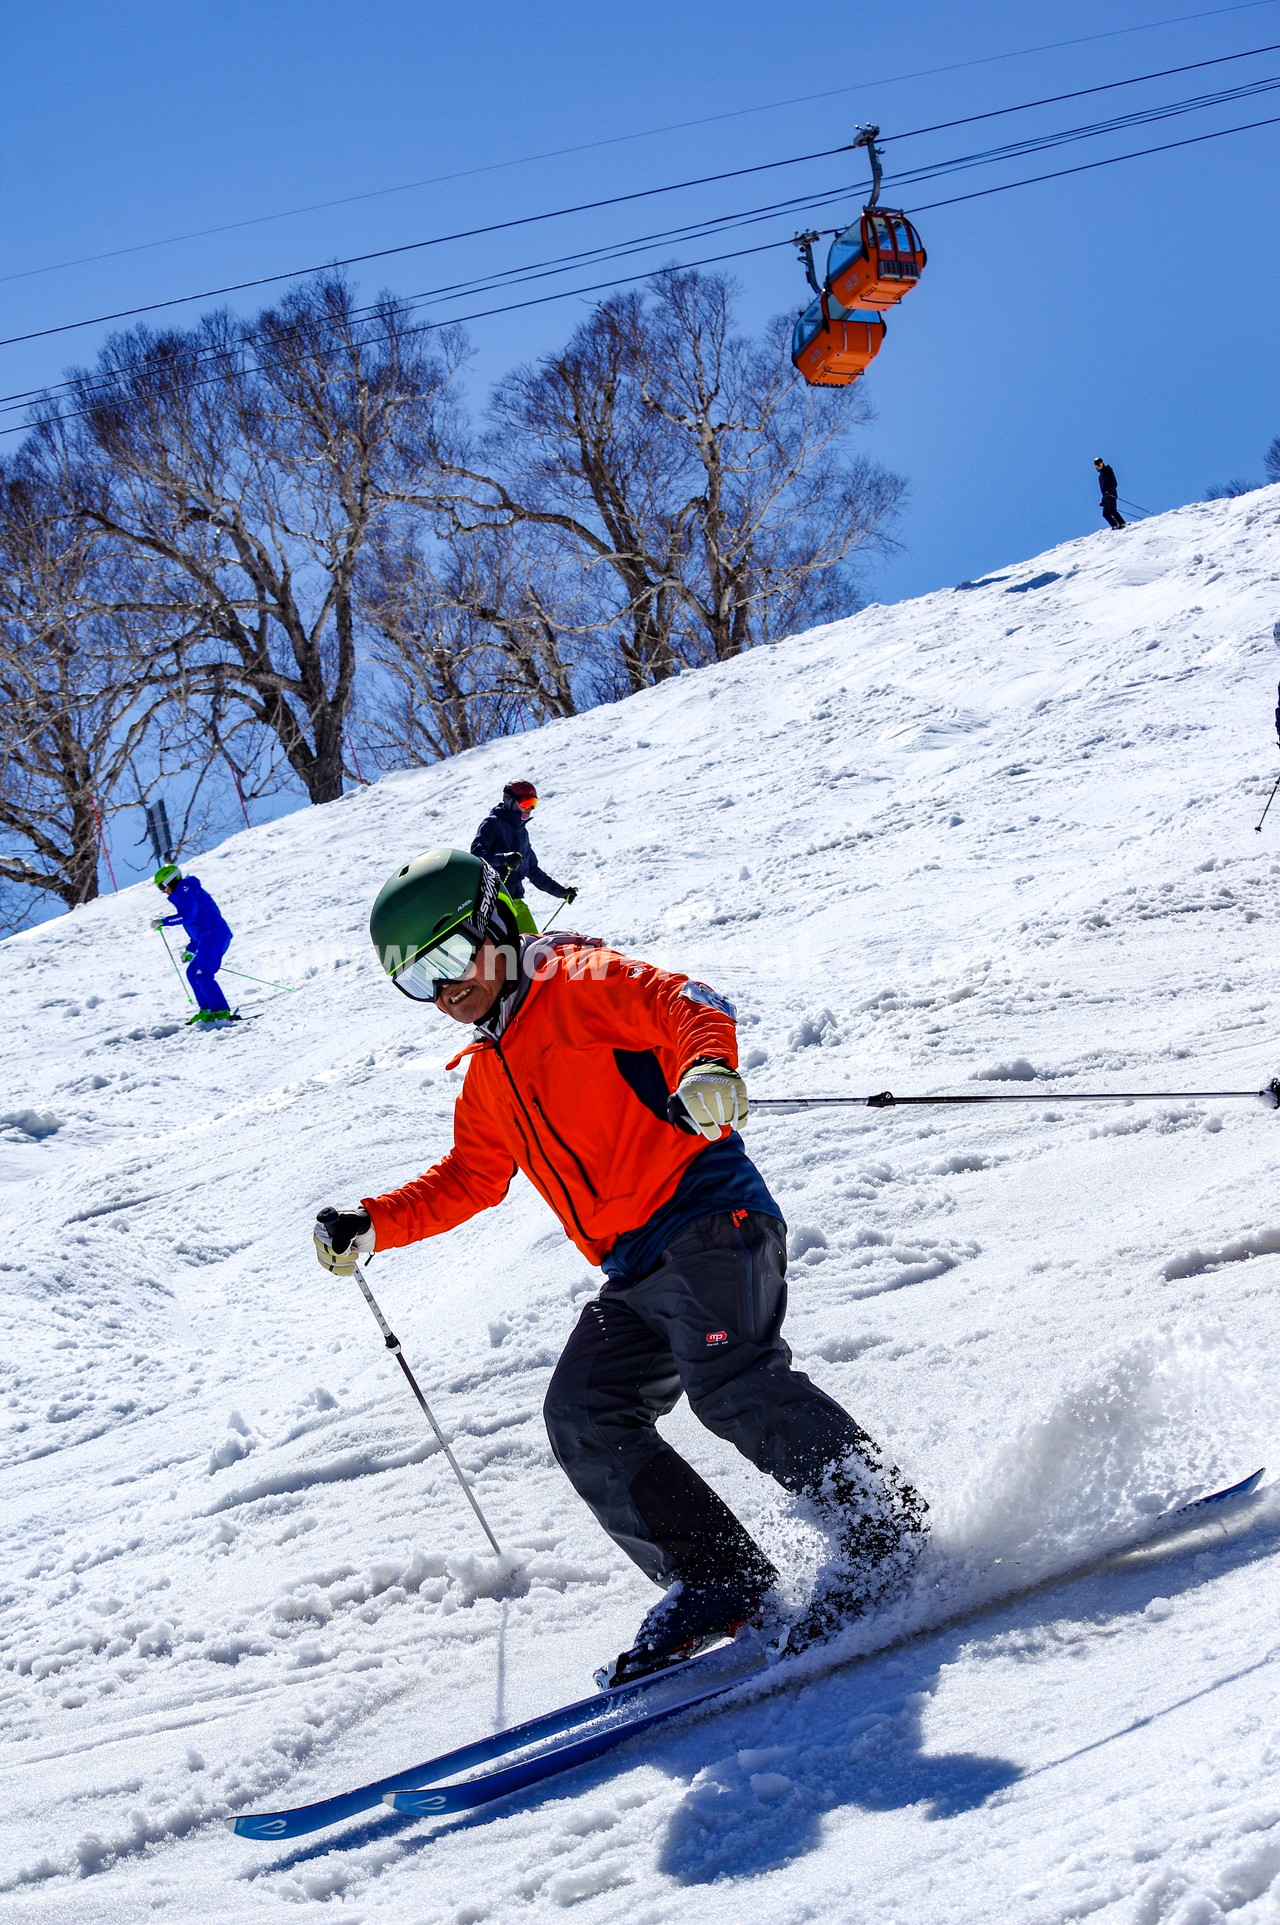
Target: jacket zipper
<point x="542" y="1151"/>
<point x="566" y="1148"/>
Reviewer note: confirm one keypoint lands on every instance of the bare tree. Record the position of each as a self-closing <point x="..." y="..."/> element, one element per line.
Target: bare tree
<point x="467" y="637"/>
<point x="775" y="508"/>
<point x="701" y="489"/>
<point x="80" y="686"/>
<point x="1271" y="460"/>
<point x="249" y="463"/>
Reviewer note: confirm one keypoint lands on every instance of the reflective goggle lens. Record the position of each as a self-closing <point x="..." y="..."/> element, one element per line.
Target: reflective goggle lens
<point x="444" y="962"/>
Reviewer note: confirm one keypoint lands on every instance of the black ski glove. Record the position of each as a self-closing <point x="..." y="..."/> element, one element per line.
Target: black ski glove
<point x="570" y="895"/>
<point x="341" y="1236"/>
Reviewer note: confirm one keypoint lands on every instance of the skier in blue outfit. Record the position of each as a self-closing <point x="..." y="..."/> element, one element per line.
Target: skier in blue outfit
<point x="208" y="939"/>
<point x="502" y="840"/>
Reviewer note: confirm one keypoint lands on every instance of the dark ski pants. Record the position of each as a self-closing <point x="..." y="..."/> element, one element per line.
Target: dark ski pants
<point x="202" y="974"/>
<point x="1111" y="514"/>
<point x="707" y="1322"/>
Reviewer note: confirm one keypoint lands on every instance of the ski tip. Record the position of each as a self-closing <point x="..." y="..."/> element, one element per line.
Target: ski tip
<point x="268" y="1825"/>
<point x="1245" y="1488"/>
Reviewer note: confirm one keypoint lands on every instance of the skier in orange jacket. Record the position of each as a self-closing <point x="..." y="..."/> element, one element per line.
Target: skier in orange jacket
<point x="613" y="1085"/>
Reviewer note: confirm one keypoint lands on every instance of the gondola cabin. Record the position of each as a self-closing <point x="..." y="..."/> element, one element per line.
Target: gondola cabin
<point x="831" y="347"/>
<point x="876" y="261"/>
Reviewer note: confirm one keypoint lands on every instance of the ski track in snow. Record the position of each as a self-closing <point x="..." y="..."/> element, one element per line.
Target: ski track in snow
<point x="1001" y="836"/>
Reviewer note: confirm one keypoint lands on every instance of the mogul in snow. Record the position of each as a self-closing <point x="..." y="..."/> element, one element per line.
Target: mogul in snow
<point x="208" y="940"/>
<point x="613" y="1086"/>
<point x="502" y="840"/>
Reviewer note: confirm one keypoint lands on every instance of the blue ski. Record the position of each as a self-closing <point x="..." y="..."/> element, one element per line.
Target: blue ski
<point x="595" y="1725"/>
<point x="676" y="1688"/>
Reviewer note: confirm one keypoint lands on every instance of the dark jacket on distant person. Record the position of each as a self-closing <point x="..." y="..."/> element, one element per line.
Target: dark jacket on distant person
<point x="503" y="840"/>
<point x="1107" y="480"/>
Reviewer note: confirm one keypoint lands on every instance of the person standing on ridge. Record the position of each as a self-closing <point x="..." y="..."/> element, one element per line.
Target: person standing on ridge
<point x="1109" y="486"/>
<point x="503" y="841"/>
<point x="613" y="1086"/>
<point x="208" y="939"/>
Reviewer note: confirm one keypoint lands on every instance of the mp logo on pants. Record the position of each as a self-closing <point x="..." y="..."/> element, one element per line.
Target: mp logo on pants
<point x="717" y="1336"/>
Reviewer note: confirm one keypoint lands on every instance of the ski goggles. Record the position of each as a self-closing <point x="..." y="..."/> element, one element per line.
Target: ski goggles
<point x="447" y="961"/>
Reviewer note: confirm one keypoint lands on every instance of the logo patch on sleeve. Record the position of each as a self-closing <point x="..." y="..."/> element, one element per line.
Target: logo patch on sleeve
<point x="717" y="1336"/>
<point x="710" y="998"/>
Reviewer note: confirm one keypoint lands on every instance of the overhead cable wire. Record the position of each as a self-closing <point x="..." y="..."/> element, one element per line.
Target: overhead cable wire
<point x="1078" y="93"/>
<point x="1088" y="166"/>
<point x="1119" y="123"/>
<point x="649" y="133"/>
<point x="507" y="307"/>
<point x="405" y="247"/>
<point x="530" y="271"/>
<point x="563" y="294"/>
<point x="701" y="229"/>
<point x="412" y="247"/>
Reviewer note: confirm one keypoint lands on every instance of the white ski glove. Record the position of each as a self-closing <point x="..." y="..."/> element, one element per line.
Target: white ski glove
<point x="341" y="1238"/>
<point x="711" y="1097"/>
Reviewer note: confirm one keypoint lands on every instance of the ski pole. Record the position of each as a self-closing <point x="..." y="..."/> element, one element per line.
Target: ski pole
<point x="393" y="1345"/>
<point x="174" y="960"/>
<point x="1257" y="827"/>
<point x="551" y="918"/>
<point x="886" y="1100"/>
<point x="224" y="971"/>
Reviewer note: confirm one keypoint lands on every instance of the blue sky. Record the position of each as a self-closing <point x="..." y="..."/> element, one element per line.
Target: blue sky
<point x="1128" y="311"/>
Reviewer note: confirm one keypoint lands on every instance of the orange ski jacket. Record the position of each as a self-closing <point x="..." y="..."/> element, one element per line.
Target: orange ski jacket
<point x="573" y="1093"/>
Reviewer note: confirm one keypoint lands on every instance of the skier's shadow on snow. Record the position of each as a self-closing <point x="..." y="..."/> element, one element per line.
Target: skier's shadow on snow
<point x="846" y="1740"/>
<point x="856" y="1738"/>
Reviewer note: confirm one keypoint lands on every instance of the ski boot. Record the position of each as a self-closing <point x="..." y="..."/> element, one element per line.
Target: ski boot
<point x="688" y="1619"/>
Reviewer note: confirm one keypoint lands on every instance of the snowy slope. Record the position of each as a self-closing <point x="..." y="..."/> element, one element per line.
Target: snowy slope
<point x="1003" y="832"/>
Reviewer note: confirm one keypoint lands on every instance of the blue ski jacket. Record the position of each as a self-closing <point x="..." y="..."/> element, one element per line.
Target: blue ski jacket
<point x="199" y="915"/>
<point x="503" y="840"/>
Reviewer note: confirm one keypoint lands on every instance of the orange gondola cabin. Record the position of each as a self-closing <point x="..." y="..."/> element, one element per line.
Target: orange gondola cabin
<point x="831" y="346"/>
<point x="876" y="261"/>
<point x="871" y="265"/>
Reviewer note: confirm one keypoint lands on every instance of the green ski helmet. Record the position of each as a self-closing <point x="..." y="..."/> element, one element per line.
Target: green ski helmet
<point x="167" y="874"/>
<point x="430" y="918"/>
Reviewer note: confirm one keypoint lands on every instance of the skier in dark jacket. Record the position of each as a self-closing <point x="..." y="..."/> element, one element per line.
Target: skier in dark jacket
<point x="503" y="841"/>
<point x="612" y="1085"/>
<point x="208" y="939"/>
<point x="1109" y="485"/>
